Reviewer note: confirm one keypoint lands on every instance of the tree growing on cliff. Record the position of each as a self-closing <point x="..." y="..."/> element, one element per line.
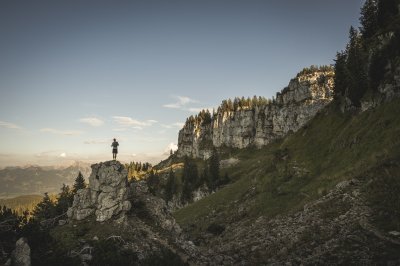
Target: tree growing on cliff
<point x="79" y="183"/>
<point x="363" y="66"/>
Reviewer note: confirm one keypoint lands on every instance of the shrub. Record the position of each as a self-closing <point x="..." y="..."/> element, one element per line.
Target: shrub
<point x="110" y="252"/>
<point x="216" y="229"/>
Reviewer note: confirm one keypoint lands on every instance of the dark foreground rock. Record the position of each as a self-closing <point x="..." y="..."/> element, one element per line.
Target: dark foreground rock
<point x="21" y="256"/>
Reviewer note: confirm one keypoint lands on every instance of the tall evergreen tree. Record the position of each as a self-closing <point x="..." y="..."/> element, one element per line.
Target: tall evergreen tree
<point x="79" y="183"/>
<point x="341" y="74"/>
<point x="190" y="179"/>
<point x="356" y="66"/>
<point x="214" y="169"/>
<point x="387" y="10"/>
<point x="369" y="18"/>
<point x="64" y="199"/>
<point x="45" y="209"/>
<point x="170" y="186"/>
<point x="153" y="182"/>
<point x="205" y="175"/>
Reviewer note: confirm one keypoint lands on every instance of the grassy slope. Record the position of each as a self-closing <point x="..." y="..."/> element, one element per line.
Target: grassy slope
<point x="286" y="174"/>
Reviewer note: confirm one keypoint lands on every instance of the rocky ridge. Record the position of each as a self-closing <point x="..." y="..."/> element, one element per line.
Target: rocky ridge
<point x="258" y="124"/>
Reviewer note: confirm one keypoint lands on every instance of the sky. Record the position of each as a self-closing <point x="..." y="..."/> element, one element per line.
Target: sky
<point x="76" y="74"/>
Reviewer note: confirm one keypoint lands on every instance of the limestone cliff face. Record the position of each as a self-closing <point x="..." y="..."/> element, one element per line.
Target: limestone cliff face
<point x="106" y="196"/>
<point x="257" y="122"/>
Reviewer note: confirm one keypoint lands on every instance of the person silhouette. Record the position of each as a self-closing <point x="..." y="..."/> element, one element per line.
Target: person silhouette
<point x="115" y="145"/>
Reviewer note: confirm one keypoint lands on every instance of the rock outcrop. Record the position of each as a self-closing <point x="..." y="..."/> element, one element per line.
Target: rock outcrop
<point x="257" y="122"/>
<point x="107" y="194"/>
<point x="21" y="256"/>
<point x="150" y="234"/>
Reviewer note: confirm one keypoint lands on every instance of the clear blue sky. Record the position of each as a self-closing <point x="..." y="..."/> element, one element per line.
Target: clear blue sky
<point x="75" y="74"/>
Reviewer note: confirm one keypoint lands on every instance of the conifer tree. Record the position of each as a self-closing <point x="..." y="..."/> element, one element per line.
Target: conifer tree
<point x="356" y="66"/>
<point x="153" y="182"/>
<point x="214" y="169"/>
<point x="190" y="179"/>
<point x="205" y="176"/>
<point x="170" y="186"/>
<point x="64" y="199"/>
<point x="369" y="18"/>
<point x="45" y="209"/>
<point x="236" y="103"/>
<point x="341" y="75"/>
<point x="79" y="183"/>
<point x="387" y="10"/>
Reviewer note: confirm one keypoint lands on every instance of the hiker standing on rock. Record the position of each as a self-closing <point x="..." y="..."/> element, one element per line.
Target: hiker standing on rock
<point x="115" y="145"/>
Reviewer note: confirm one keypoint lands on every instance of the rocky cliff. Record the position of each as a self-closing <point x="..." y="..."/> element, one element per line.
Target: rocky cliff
<point x="256" y="122"/>
<point x="106" y="196"/>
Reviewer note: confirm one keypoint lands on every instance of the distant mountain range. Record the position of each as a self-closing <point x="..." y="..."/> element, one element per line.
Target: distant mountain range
<point x="17" y="181"/>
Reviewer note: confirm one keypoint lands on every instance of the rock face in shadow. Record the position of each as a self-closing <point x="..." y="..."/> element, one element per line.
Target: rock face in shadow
<point x="106" y="196"/>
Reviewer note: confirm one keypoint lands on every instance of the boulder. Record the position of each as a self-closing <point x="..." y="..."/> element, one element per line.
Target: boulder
<point x="21" y="256"/>
<point x="106" y="195"/>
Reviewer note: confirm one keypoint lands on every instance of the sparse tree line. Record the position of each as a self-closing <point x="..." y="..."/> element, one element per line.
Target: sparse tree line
<point x="205" y="117"/>
<point x="314" y="68"/>
<point x="366" y="62"/>
<point x="137" y="169"/>
<point x="181" y="187"/>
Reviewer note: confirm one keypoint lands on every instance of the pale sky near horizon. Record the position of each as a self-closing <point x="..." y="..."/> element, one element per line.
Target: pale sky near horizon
<point x="75" y="74"/>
